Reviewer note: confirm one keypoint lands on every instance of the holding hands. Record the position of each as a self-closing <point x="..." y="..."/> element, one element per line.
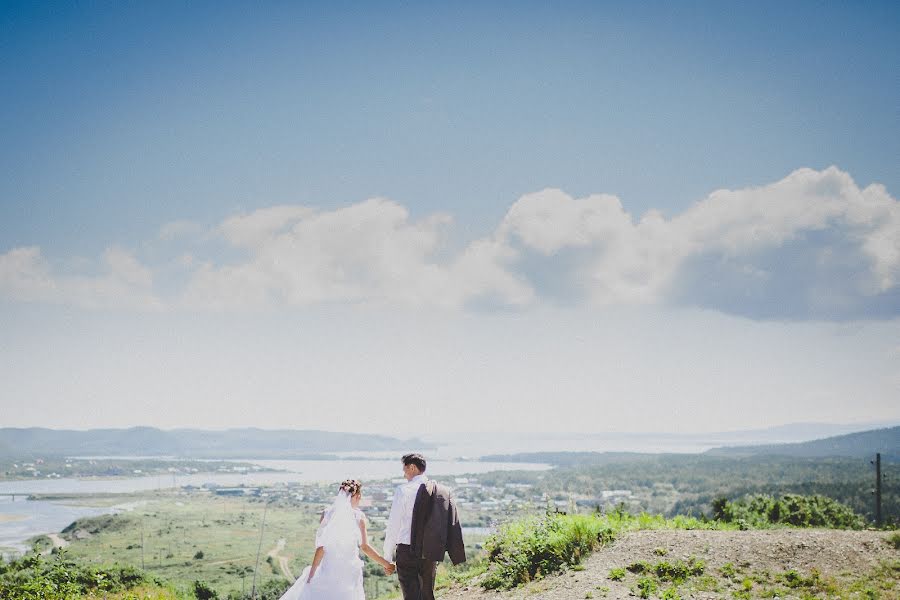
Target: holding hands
<point x="389" y="568"/>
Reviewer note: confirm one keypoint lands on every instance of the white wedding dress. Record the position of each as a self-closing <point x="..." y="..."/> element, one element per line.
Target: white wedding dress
<point x="340" y="574"/>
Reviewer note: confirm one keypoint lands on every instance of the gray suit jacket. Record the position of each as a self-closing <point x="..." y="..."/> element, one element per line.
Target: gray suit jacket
<point x="435" y="525"/>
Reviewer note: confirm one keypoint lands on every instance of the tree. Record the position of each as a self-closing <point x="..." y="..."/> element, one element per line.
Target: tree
<point x="203" y="592"/>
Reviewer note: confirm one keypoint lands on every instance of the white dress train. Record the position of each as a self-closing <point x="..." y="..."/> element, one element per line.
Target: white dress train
<point x="340" y="574"/>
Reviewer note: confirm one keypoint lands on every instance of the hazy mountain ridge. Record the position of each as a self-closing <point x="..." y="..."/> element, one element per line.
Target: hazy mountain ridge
<point x="860" y="444"/>
<point x="192" y="443"/>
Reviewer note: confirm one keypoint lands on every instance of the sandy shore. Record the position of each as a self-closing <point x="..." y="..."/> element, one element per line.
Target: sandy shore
<point x="4" y="518"/>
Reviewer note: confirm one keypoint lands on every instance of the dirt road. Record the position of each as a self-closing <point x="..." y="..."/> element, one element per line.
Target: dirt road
<point x="282" y="560"/>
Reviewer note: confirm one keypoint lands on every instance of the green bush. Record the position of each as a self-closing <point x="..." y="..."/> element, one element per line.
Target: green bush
<point x="639" y="567"/>
<point x="646" y="587"/>
<point x="791" y="510"/>
<point x="33" y="577"/>
<point x="203" y="591"/>
<point x="670" y="594"/>
<point x="894" y="540"/>
<point x="679" y="571"/>
<point x="532" y="547"/>
<point x="793" y="579"/>
<point x="272" y="589"/>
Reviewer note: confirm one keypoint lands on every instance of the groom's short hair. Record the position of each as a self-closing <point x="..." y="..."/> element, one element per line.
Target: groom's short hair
<point x="415" y="459"/>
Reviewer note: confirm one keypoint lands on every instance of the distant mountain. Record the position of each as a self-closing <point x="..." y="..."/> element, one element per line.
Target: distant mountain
<point x="471" y="444"/>
<point x="797" y="432"/>
<point x="190" y="443"/>
<point x="861" y="444"/>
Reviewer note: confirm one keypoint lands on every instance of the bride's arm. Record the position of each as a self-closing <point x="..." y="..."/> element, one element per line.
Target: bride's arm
<point x="317" y="558"/>
<point x="370" y="551"/>
<point x="320" y="551"/>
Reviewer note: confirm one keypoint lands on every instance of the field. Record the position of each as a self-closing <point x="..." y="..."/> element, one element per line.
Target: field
<point x="191" y="536"/>
<point x="197" y="535"/>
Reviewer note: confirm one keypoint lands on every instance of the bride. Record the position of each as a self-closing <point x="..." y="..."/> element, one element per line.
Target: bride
<point x="336" y="572"/>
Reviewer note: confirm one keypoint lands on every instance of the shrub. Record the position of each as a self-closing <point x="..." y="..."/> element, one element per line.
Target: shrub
<point x="646" y="587"/>
<point x="198" y="555"/>
<point x="894" y="540"/>
<point x="639" y="567"/>
<point x="617" y="574"/>
<point x="670" y="594"/>
<point x="794" y="579"/>
<point x="794" y="510"/>
<point x="530" y="548"/>
<point x="679" y="571"/>
<point x="35" y="578"/>
<point x="728" y="570"/>
<point x="202" y="591"/>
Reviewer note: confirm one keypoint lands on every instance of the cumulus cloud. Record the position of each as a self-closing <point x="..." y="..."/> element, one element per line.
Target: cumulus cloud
<point x="811" y="246"/>
<point x="123" y="282"/>
<point x="369" y="252"/>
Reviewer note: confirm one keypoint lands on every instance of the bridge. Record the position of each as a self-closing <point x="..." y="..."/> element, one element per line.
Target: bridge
<point x="14" y="494"/>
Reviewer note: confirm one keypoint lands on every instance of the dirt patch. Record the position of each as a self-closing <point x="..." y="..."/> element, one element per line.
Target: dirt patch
<point x="843" y="555"/>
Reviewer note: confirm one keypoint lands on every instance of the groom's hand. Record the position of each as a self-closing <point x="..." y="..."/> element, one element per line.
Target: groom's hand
<point x="389" y="570"/>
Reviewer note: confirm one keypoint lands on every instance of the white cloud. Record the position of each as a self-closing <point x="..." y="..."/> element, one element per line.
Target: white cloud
<point x="550" y="220"/>
<point x="250" y="230"/>
<point x="811" y="246"/>
<point x="26" y="276"/>
<point x="814" y="239"/>
<point x="369" y="252"/>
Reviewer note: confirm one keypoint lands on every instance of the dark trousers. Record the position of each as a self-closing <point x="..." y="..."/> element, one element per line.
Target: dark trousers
<point x="416" y="575"/>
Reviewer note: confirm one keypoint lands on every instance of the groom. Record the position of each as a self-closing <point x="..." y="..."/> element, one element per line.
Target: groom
<point x="422" y="526"/>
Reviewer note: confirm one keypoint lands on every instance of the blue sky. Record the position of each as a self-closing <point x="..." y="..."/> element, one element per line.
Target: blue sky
<point x="197" y="175"/>
<point x="119" y="118"/>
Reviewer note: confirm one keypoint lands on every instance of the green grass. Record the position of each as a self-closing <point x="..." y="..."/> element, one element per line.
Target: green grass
<point x="58" y="577"/>
<point x="679" y="571"/>
<point x="530" y="548"/>
<point x="191" y="537"/>
<point x="894" y="540"/>
<point x="668" y="580"/>
<point x="645" y="587"/>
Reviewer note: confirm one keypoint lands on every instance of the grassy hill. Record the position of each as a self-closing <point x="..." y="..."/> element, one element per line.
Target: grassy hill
<point x="618" y="555"/>
<point x="670" y="564"/>
<point x="859" y="445"/>
<point x="192" y="443"/>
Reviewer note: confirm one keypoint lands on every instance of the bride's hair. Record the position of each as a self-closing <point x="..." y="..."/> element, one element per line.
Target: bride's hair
<point x="351" y="486"/>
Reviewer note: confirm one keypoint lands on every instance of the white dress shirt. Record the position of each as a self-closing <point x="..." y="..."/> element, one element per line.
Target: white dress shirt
<point x="399" y="525"/>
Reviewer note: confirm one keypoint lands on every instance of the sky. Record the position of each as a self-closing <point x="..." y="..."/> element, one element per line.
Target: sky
<point x="555" y="216"/>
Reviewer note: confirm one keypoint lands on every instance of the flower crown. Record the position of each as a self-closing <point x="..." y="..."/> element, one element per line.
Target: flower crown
<point x="351" y="486"/>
